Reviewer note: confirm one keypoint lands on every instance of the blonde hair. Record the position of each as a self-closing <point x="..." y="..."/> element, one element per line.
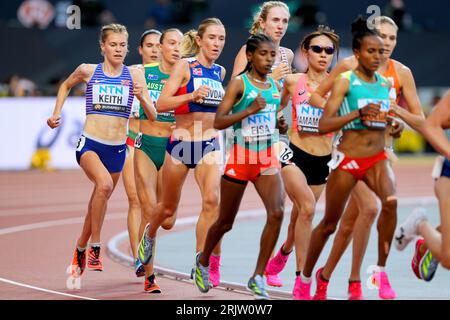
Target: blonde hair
<point x="113" y="27"/>
<point x="384" y="19"/>
<point x="264" y="12"/>
<point x="189" y="46"/>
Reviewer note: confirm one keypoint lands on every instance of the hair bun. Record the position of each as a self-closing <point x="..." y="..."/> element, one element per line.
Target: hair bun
<point x="324" y="28"/>
<point x="360" y="25"/>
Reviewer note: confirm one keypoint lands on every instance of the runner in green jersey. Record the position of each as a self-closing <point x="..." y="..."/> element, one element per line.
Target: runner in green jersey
<point x="152" y="139"/>
<point x="149" y="49"/>
<point x="361" y="97"/>
<point x="253" y="99"/>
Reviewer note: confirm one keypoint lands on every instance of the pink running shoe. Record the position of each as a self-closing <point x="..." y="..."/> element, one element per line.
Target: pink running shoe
<point x="296" y="289"/>
<point x="273" y="280"/>
<point x="385" y="290"/>
<point x="274" y="267"/>
<point x="301" y="290"/>
<point x="214" y="272"/>
<point x="355" y="290"/>
<point x="321" y="288"/>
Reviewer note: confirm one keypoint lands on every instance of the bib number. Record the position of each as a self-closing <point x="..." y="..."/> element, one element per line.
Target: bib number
<point x="258" y="127"/>
<point x="336" y="158"/>
<point x="437" y="168"/>
<point x="138" y="141"/>
<point x="378" y="122"/>
<point x="80" y="143"/>
<point x="308" y="118"/>
<point x="286" y="153"/>
<point x="135" y="108"/>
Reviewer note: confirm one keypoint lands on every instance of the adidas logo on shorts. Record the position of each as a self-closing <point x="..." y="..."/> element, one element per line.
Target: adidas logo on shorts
<point x="351" y="165"/>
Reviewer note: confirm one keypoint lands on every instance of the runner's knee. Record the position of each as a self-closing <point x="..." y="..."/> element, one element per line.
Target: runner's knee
<point x="168" y="211"/>
<point x="210" y="202"/>
<point x="133" y="201"/>
<point x="306" y="211"/>
<point x="275" y="215"/>
<point x="390" y="204"/>
<point x="346" y="228"/>
<point x="168" y="223"/>
<point x="104" y="188"/>
<point x="328" y="227"/>
<point x="369" y="212"/>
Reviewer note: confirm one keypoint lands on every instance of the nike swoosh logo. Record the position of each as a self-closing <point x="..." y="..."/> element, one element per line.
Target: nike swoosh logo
<point x="121" y="150"/>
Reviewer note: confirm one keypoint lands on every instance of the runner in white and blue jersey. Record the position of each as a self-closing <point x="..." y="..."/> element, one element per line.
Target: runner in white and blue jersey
<point x="111" y="87"/>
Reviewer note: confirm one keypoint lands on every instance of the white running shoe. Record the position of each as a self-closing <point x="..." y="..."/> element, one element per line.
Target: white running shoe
<point x="406" y="232"/>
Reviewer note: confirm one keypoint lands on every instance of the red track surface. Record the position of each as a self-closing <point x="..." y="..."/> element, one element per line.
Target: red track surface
<point x="39" y="256"/>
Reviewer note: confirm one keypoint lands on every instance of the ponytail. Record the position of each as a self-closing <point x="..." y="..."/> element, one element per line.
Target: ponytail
<point x="189" y="46"/>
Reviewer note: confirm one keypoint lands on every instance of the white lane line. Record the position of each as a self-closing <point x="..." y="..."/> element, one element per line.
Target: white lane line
<point x="114" y="253"/>
<point x="180" y="222"/>
<point x="47" y="224"/>
<point x="6" y="212"/>
<point x="54" y="223"/>
<point x="57" y="208"/>
<point x="45" y="290"/>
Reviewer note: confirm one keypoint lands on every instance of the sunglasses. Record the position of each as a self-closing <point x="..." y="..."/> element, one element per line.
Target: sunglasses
<point x="319" y="49"/>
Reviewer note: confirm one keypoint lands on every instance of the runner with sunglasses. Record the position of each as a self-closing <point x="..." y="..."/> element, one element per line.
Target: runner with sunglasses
<point x="362" y="208"/>
<point x="305" y="168"/>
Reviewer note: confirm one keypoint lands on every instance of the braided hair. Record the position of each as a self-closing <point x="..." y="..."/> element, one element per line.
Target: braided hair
<point x="252" y="44"/>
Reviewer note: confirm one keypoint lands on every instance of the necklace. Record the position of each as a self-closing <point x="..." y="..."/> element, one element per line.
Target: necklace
<point x="363" y="76"/>
<point x="266" y="82"/>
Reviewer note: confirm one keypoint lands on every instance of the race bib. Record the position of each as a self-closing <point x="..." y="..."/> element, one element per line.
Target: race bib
<point x="285" y="154"/>
<point x="80" y="143"/>
<point x="437" y="168"/>
<point x="336" y="158"/>
<point x="106" y="97"/>
<point x="135" y="108"/>
<point x="308" y="118"/>
<point x="216" y="93"/>
<point x="154" y="94"/>
<point x="138" y="140"/>
<point x="260" y="126"/>
<point x="378" y="122"/>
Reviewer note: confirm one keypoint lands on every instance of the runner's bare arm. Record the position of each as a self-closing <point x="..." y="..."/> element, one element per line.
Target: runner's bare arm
<point x="414" y="116"/>
<point x="285" y="94"/>
<point x="233" y="93"/>
<point x="240" y="62"/>
<point x="140" y="91"/>
<point x="180" y="76"/>
<point x="438" y="120"/>
<point x="409" y="91"/>
<point x="318" y="96"/>
<point x="81" y="74"/>
<point x="329" y="122"/>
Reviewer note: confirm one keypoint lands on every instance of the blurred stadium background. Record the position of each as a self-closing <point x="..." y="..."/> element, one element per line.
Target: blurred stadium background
<point x="39" y="51"/>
